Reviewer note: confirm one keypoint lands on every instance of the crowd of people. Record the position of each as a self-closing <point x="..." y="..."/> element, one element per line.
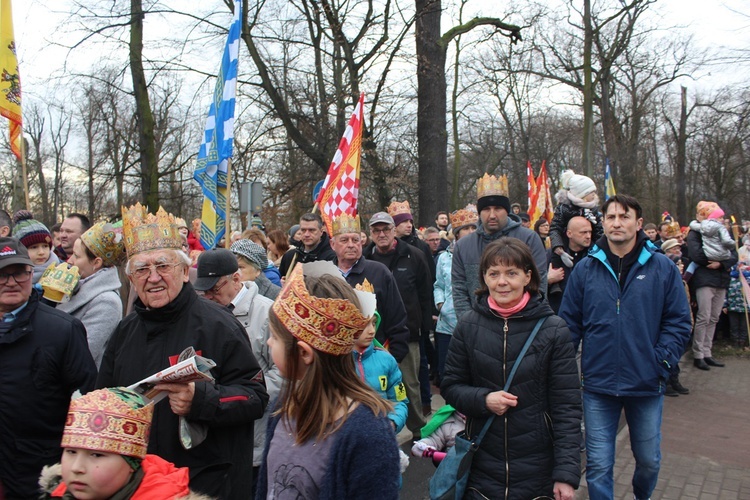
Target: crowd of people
<point x="330" y="340"/>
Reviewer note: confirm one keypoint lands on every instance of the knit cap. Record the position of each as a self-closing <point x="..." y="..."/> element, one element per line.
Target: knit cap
<point x="704" y="209"/>
<point x="251" y="251"/>
<point x="578" y="185"/>
<point x="30" y="231"/>
<point x="716" y="214"/>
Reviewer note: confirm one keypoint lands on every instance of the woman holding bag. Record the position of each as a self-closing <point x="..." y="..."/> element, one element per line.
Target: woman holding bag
<point x="531" y="448"/>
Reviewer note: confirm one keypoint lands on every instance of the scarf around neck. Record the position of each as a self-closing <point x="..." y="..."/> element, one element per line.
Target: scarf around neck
<point x="506" y="312"/>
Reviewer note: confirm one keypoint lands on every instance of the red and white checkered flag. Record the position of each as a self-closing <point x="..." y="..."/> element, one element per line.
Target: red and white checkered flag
<point x="341" y="186"/>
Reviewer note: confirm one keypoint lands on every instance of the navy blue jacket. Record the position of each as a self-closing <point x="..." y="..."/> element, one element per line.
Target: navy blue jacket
<point x="633" y="335"/>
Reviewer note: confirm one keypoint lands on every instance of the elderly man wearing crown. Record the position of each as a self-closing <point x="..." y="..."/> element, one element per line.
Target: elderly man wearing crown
<point x="346" y="242"/>
<point x="496" y="221"/>
<point x="169" y="317"/>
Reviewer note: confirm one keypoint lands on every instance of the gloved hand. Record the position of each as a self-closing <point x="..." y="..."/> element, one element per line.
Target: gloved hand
<point x="567" y="259"/>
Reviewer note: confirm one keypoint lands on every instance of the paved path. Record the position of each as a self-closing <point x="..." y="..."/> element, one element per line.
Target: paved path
<point x="705" y="441"/>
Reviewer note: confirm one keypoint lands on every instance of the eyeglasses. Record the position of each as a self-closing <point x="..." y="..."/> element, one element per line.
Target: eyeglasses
<point x="161" y="269"/>
<point x="213" y="291"/>
<point x="384" y="230"/>
<point x="18" y="276"/>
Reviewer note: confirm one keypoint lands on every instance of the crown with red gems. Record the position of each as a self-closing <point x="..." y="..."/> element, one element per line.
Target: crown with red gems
<point x="344" y="224"/>
<point x="464" y="217"/>
<point x="114" y="420"/>
<point x="398" y="208"/>
<point x="489" y="185"/>
<point x="144" y="231"/>
<point x="327" y="325"/>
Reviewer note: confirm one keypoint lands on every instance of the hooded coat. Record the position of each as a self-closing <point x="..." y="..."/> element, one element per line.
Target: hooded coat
<point x="98" y="305"/>
<point x="536" y="443"/>
<point x="467" y="255"/>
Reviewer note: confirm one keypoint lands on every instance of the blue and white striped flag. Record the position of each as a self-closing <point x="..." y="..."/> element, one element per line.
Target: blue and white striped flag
<point x="609" y="185"/>
<point x="216" y="149"/>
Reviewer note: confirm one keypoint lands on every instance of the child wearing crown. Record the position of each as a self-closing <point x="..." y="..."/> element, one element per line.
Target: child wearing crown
<point x="104" y="453"/>
<point x="576" y="198"/>
<point x="330" y="437"/>
<point x="374" y="365"/>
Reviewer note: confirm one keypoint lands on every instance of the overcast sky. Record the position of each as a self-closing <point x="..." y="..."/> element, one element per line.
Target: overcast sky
<point x="715" y="24"/>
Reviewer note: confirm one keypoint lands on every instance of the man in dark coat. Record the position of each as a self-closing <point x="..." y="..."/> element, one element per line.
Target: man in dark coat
<point x="578" y="233"/>
<point x="411" y="272"/>
<point x="169" y="317"/>
<point x="44" y="359"/>
<point x="346" y="242"/>
<point x="315" y="245"/>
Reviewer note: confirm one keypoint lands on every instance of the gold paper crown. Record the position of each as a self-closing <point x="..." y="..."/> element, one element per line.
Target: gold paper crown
<point x="464" y="217"/>
<point x="114" y="420"/>
<point x="489" y="185"/>
<point x="59" y="281"/>
<point x="673" y="230"/>
<point x="106" y="242"/>
<point x="327" y="325"/>
<point x="344" y="224"/>
<point x="365" y="286"/>
<point x="180" y="222"/>
<point x="398" y="208"/>
<point x="144" y="231"/>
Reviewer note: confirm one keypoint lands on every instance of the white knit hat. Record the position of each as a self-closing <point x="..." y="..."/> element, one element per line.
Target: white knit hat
<point x="580" y="186"/>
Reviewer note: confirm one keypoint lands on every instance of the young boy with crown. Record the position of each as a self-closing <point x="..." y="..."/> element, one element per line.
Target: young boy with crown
<point x="104" y="453"/>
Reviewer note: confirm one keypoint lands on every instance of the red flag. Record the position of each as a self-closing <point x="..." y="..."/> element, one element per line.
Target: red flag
<point x="341" y="186"/>
<point x="530" y="185"/>
<point x="543" y="200"/>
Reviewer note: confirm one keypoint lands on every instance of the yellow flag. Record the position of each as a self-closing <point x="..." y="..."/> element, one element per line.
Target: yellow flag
<point x="10" y="81"/>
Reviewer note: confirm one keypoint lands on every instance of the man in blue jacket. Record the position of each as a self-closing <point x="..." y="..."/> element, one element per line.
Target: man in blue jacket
<point x="626" y="303"/>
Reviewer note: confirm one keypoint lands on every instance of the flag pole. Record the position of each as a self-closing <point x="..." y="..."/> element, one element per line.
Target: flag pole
<point x="24" y="173"/>
<point x="227" y="226"/>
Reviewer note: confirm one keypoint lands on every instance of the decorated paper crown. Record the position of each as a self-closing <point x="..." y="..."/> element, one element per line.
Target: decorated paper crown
<point x="673" y="230"/>
<point x="489" y="185"/>
<point x="144" y="231"/>
<point x="115" y="420"/>
<point x="365" y="286"/>
<point x="59" y="281"/>
<point x="327" y="325"/>
<point x="399" y="208"/>
<point x="106" y="242"/>
<point x="344" y="224"/>
<point x="464" y="217"/>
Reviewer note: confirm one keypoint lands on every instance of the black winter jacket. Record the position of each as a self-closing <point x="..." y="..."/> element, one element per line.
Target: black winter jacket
<point x="411" y="271"/>
<point x="536" y="443"/>
<point x="393" y="332"/>
<point x="703" y="276"/>
<point x="44" y="359"/>
<point x="559" y="225"/>
<point x="322" y="251"/>
<point x="149" y="340"/>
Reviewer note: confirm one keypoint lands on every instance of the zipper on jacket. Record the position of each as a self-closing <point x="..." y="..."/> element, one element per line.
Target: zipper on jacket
<point x="361" y="370"/>
<point x="505" y="415"/>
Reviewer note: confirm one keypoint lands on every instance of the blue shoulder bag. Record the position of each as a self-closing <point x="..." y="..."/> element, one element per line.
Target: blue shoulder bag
<point x="451" y="476"/>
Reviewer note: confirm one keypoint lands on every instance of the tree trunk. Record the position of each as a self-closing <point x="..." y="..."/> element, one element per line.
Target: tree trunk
<point x="588" y="92"/>
<point x="679" y="174"/>
<point x="147" y="145"/>
<point x="432" y="136"/>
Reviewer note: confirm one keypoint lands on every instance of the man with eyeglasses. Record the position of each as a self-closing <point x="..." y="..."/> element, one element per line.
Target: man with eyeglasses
<point x="167" y="318"/>
<point x="219" y="281"/>
<point x="414" y="282"/>
<point x="315" y="245"/>
<point x="44" y="359"/>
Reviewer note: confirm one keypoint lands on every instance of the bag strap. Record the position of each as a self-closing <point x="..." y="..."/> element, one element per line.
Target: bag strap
<point x="525" y="348"/>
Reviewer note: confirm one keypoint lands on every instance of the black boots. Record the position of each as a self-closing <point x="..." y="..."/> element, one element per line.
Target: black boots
<point x="701" y="364"/>
<point x="713" y="362"/>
